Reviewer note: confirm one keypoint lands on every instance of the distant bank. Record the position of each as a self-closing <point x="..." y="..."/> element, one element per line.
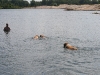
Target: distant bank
<point x="95" y="7"/>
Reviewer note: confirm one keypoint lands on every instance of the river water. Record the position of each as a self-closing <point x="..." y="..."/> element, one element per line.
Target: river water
<point x="22" y="55"/>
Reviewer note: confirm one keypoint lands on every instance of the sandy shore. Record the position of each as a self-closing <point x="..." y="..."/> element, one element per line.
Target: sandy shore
<point x="95" y="7"/>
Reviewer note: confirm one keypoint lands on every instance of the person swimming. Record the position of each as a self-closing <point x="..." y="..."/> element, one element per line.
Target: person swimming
<point x="6" y="29"/>
<point x="39" y="37"/>
<point x="68" y="46"/>
<point x="36" y="37"/>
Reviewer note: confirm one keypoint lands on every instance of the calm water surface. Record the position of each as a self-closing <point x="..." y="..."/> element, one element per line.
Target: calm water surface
<point x="21" y="55"/>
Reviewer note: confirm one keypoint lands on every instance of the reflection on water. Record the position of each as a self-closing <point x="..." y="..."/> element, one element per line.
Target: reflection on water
<point x="21" y="55"/>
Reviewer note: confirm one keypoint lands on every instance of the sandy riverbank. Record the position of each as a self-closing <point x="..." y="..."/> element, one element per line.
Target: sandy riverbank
<point x="95" y="7"/>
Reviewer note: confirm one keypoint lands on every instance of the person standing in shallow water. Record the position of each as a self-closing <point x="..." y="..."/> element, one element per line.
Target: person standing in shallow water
<point x="6" y="29"/>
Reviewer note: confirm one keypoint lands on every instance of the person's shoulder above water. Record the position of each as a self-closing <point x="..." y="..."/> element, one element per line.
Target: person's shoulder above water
<point x="68" y="46"/>
<point x="7" y="28"/>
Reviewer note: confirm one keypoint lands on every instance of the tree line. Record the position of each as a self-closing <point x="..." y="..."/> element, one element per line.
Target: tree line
<point x="13" y="4"/>
<point x="77" y="2"/>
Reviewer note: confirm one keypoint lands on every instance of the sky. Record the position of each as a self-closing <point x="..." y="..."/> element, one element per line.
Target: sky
<point x="31" y="0"/>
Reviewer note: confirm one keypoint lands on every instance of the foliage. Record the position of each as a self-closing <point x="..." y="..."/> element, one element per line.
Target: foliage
<point x="57" y="2"/>
<point x="13" y="4"/>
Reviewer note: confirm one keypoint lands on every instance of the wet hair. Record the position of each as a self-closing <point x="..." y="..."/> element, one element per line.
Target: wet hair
<point x="41" y="36"/>
<point x="65" y="45"/>
<point x="7" y="24"/>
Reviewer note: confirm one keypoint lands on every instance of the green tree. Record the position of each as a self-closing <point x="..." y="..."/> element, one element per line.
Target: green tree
<point x="94" y="1"/>
<point x="44" y="2"/>
<point x="84" y="1"/>
<point x="32" y="3"/>
<point x="99" y="1"/>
